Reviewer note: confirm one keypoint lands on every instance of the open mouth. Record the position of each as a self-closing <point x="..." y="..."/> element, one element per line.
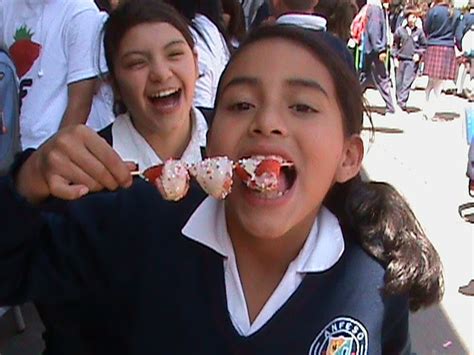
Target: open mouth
<point x="166" y="98"/>
<point x="268" y="177"/>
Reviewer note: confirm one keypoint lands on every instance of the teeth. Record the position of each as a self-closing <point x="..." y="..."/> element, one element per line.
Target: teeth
<point x="164" y="93"/>
<point x="269" y="195"/>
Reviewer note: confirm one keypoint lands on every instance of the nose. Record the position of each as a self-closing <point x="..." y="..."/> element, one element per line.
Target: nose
<point x="268" y="122"/>
<point x="160" y="71"/>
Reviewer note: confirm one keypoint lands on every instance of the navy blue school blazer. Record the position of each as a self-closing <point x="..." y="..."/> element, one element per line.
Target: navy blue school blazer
<point x="150" y="290"/>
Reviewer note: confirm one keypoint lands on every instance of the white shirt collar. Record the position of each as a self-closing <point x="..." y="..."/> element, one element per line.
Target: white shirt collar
<point x="131" y="146"/>
<point x="322" y="249"/>
<point x="308" y="21"/>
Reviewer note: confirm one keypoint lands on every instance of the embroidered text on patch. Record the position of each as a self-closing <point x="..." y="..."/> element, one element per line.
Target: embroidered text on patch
<point x="342" y="336"/>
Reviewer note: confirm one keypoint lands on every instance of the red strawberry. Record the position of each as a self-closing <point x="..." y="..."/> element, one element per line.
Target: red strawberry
<point x="153" y="173"/>
<point x="242" y="173"/>
<point x="269" y="166"/>
<point x="24" y="51"/>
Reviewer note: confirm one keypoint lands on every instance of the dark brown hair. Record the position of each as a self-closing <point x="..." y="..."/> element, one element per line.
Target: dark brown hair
<point x="130" y="14"/>
<point x="236" y="26"/>
<point x="299" y="5"/>
<point x="373" y="213"/>
<point x="339" y="14"/>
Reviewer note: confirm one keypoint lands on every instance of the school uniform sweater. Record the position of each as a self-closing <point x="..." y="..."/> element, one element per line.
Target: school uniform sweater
<point x="407" y="43"/>
<point x="153" y="291"/>
<point x="375" y="35"/>
<point x="440" y="26"/>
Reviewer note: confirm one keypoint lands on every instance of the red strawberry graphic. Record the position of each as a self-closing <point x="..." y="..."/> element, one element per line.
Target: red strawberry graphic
<point x="24" y="51"/>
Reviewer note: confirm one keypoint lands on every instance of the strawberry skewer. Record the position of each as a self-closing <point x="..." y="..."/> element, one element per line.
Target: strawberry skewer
<point x="170" y="178"/>
<point x="215" y="175"/>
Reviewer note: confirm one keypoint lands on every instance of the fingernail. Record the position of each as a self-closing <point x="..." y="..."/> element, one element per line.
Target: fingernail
<point x="83" y="191"/>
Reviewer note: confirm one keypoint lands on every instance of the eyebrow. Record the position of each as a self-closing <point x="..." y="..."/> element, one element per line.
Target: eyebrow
<point x="307" y="83"/>
<point x="241" y="80"/>
<point x="176" y="41"/>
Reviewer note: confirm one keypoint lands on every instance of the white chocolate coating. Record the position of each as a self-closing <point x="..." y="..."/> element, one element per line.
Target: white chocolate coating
<point x="174" y="181"/>
<point x="214" y="175"/>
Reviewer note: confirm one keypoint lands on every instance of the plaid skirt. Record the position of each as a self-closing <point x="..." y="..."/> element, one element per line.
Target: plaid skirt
<point x="440" y="62"/>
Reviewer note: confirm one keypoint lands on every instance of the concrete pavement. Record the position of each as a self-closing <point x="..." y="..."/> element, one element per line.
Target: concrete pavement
<point x="426" y="161"/>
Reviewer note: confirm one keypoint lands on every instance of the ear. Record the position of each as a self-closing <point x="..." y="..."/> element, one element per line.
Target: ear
<point x="351" y="160"/>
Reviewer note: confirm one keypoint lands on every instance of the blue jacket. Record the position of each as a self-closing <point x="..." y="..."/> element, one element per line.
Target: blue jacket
<point x="440" y="27"/>
<point x="406" y="45"/>
<point x="375" y="35"/>
<point x="150" y="290"/>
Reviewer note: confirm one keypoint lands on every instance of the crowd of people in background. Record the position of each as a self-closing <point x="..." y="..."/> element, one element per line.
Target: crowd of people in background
<point x="86" y="62"/>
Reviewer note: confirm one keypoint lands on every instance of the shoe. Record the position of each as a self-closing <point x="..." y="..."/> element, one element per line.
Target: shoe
<point x="467" y="290"/>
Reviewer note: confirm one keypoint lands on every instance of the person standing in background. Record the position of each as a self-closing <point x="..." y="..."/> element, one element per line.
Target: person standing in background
<point x="409" y="44"/>
<point x="339" y="14"/>
<point x="440" y="57"/>
<point x="51" y="43"/>
<point x="375" y="50"/>
<point x="466" y="67"/>
<point x="250" y="8"/>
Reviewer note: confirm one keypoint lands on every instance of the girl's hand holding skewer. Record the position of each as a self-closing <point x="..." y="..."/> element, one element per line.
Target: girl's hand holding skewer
<point x="72" y="163"/>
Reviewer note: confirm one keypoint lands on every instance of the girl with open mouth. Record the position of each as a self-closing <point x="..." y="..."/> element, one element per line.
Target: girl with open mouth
<point x="316" y="262"/>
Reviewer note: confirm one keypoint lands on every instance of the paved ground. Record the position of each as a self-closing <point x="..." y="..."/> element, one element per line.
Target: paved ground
<point x="426" y="161"/>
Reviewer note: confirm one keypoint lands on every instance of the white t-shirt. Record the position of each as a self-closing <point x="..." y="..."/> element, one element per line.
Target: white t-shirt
<point x="213" y="56"/>
<point x="51" y="43"/>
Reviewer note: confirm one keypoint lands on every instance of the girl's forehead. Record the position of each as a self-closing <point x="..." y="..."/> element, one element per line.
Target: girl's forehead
<point x="269" y="51"/>
<point x="275" y="58"/>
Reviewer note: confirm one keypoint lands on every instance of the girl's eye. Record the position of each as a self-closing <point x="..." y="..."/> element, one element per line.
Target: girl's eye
<point x="240" y="106"/>
<point x="136" y="64"/>
<point x="175" y="55"/>
<point x="303" y="108"/>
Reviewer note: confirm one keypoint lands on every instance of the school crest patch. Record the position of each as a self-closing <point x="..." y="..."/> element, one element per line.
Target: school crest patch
<point x="342" y="336"/>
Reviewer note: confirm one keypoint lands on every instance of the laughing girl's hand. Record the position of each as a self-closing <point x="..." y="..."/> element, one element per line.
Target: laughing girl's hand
<point x="72" y="163"/>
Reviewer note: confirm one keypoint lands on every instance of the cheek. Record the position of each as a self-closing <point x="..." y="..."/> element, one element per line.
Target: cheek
<point x="222" y="139"/>
<point x="129" y="85"/>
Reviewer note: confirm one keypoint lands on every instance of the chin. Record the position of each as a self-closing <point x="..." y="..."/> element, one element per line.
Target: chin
<point x="264" y="228"/>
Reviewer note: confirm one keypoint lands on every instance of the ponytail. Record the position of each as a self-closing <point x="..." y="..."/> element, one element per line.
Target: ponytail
<point x="381" y="220"/>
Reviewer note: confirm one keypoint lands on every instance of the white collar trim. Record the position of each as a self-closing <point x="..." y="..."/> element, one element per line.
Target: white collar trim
<point x="322" y="249"/>
<point x="308" y="21"/>
<point x="131" y="146"/>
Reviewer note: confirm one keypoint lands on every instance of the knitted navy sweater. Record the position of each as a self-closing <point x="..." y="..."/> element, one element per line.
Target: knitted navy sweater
<point x="150" y="290"/>
<point x="440" y="26"/>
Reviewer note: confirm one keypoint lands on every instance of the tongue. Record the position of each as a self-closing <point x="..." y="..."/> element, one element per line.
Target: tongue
<point x="167" y="101"/>
<point x="283" y="183"/>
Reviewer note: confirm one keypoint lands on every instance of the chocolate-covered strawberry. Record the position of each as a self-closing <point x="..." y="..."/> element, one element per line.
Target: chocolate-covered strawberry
<point x="170" y="178"/>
